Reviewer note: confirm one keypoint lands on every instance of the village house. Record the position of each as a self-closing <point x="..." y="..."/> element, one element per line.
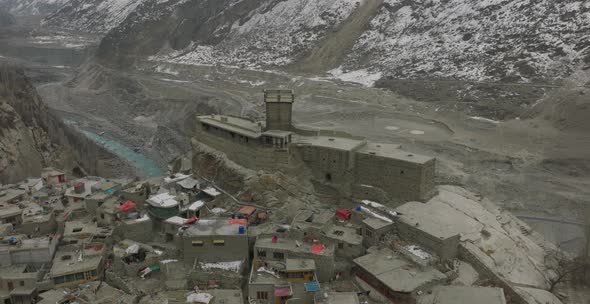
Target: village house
<point x="11" y="196"/>
<point x="10" y="214"/>
<point x="18" y="284"/>
<point x="37" y="221"/>
<point x="214" y="240"/>
<point x="332" y="297"/>
<point x="282" y="281"/>
<point x="75" y="264"/>
<point x="393" y="277"/>
<point x="78" y="193"/>
<point x="463" y="294"/>
<point x="53" y="177"/>
<point x="166" y="205"/>
<point x="276" y="249"/>
<point x="114" y="211"/>
<point x="34" y="252"/>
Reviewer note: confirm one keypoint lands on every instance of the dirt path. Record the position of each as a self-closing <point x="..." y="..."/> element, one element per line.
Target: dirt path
<point x="332" y="51"/>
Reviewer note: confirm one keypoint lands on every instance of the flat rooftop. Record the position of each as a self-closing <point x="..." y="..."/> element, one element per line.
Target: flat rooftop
<point x="205" y="227"/>
<point x="376" y="223"/>
<point x="397" y="273"/>
<point x="163" y="200"/>
<point x="10" y="194"/>
<point x="67" y="261"/>
<point x="437" y="219"/>
<point x="237" y="125"/>
<point x="40" y="242"/>
<point x="277" y="133"/>
<point x="463" y="294"/>
<point x="393" y="151"/>
<point x="300" y="265"/>
<point x="291" y="245"/>
<point x="87" y="188"/>
<point x="339" y="143"/>
<point x="344" y="234"/>
<point x="266" y="276"/>
<point x="9" y="211"/>
<point x="341" y="298"/>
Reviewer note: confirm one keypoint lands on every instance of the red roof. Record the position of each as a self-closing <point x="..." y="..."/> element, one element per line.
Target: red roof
<point x="126" y="206"/>
<point x="317" y="248"/>
<point x="191" y="220"/>
<point x="282" y="291"/>
<point x="343" y="213"/>
<point x="247" y="210"/>
<point x="238" y="221"/>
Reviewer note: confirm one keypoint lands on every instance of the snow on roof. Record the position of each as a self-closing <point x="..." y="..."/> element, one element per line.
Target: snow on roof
<point x="204" y="298"/>
<point x="175" y="178"/>
<point x="417" y="251"/>
<point x="176" y="220"/>
<point x="372" y="204"/>
<point x="212" y="191"/>
<point x="163" y="200"/>
<point x="218" y="210"/>
<point x="229" y="266"/>
<point x="168" y="261"/>
<point x="196" y="206"/>
<point x="143" y="218"/>
<point x="375" y="215"/>
<point x="188" y="183"/>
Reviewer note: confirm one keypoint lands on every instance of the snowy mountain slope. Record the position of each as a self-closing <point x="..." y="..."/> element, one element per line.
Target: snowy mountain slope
<point x="237" y="32"/>
<point x="480" y="40"/>
<point x="514" y="40"/>
<point x="92" y="16"/>
<point x="31" y="7"/>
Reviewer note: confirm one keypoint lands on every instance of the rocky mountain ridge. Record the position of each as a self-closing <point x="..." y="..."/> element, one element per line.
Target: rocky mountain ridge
<point x="492" y="40"/>
<point x="91" y="16"/>
<point x="31" y="7"/>
<point x="33" y="137"/>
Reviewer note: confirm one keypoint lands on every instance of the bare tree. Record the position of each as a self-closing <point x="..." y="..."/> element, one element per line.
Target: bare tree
<point x="567" y="269"/>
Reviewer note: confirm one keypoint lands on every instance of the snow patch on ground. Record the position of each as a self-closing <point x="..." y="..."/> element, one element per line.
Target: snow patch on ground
<point x="479" y="118"/>
<point x="363" y="76"/>
<point x="234" y="266"/>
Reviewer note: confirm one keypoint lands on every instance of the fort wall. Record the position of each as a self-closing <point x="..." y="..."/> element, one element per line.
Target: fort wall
<point x="249" y="154"/>
<point x="402" y="180"/>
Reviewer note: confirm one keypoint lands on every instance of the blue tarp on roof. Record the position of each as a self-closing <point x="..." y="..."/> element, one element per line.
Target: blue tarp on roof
<point x="312" y="286"/>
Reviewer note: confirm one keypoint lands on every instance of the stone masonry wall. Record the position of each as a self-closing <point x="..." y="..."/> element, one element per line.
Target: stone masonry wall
<point x="446" y="249"/>
<point x="402" y="180"/>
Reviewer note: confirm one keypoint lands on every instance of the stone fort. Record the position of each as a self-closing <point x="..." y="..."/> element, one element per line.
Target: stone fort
<point x="351" y="165"/>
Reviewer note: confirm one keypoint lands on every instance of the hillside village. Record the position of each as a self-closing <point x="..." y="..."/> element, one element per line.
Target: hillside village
<point x="182" y="238"/>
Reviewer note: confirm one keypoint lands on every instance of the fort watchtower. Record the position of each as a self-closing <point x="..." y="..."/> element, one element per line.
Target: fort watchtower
<point x="279" y="105"/>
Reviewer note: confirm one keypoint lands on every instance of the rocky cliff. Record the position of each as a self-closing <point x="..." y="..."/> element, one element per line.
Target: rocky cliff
<point x="32" y="137"/>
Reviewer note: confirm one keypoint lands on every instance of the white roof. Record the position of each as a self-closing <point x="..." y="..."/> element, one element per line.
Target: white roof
<point x="211" y="191"/>
<point x="196" y="206"/>
<point x="204" y="298"/>
<point x="188" y="183"/>
<point x="163" y="200"/>
<point x="175" y="178"/>
<point x="177" y="220"/>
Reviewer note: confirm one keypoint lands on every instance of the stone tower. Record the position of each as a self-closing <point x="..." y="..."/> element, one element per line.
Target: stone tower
<point x="279" y="105"/>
